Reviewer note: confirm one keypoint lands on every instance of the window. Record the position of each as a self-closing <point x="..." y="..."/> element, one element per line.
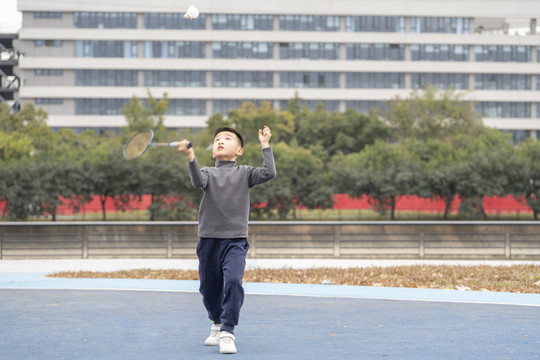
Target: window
<point x="502" y="53"/>
<point x="242" y="22"/>
<point x="504" y="109"/>
<point x="245" y="79"/>
<point x="173" y="21"/>
<point x="518" y="135"/>
<point x="105" y="78"/>
<point x="439" y="52"/>
<point x="375" y="52"/>
<point x="308" y="23"/>
<point x="242" y="50"/>
<point x="179" y="78"/>
<point x="502" y="82"/>
<point x="297" y="79"/>
<point x="100" y="106"/>
<point x="48" y="72"/>
<point x="102" y="20"/>
<point x="223" y="106"/>
<point x="375" y="80"/>
<point x="375" y="24"/>
<point x="441" y="80"/>
<point x="102" y="48"/>
<point x="48" y="43"/>
<point x="440" y="25"/>
<point x="48" y="101"/>
<point x="311" y="51"/>
<point x="190" y="107"/>
<point x="47" y="15"/>
<point x="174" y="49"/>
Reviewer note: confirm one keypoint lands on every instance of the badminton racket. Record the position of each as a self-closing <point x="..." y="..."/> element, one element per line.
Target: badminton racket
<point x="142" y="141"/>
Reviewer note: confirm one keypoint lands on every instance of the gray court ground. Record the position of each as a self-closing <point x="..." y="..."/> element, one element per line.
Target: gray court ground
<point x="51" y="318"/>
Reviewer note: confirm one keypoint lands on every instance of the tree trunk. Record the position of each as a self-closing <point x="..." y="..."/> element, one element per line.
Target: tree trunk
<point x="447" y="203"/>
<point x="103" y="199"/>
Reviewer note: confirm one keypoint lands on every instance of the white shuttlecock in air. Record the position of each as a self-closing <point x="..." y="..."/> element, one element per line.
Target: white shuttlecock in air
<point x="191" y="13"/>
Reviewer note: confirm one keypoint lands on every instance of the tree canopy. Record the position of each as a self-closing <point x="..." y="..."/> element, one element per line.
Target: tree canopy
<point x="431" y="144"/>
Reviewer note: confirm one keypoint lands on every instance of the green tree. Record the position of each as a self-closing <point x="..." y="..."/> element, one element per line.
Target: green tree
<point x="528" y="185"/>
<point x="382" y="171"/>
<point x="489" y="170"/>
<point x="441" y="164"/>
<point x="140" y="117"/>
<point x="20" y="188"/>
<point x="165" y="177"/>
<point x="339" y="132"/>
<point x="301" y="180"/>
<point x="431" y="114"/>
<point x="60" y="183"/>
<point x="249" y="118"/>
<point x="108" y="174"/>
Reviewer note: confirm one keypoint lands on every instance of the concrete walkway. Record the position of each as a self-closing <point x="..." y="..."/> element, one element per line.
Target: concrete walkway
<point x="51" y="318"/>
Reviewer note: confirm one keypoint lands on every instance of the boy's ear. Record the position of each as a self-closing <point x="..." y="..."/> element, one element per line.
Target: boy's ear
<point x="239" y="151"/>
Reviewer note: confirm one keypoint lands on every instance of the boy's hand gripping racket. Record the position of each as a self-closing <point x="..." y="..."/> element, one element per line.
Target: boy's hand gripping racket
<point x="141" y="141"/>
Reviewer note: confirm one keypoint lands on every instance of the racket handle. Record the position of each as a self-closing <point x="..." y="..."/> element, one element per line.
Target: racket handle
<point x="189" y="145"/>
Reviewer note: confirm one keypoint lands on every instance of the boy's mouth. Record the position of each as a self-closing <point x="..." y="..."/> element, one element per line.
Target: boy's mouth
<point x="220" y="147"/>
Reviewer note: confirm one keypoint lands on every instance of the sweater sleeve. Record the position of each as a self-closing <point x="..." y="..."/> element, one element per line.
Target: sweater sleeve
<point x="259" y="175"/>
<point x="199" y="178"/>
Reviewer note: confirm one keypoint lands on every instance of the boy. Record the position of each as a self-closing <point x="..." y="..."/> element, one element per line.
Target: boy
<point x="223" y="227"/>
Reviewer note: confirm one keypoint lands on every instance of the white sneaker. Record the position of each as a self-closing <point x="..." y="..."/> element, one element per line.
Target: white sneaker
<point x="226" y="343"/>
<point x="213" y="339"/>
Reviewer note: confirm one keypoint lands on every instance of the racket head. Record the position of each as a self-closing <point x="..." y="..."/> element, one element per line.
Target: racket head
<point x="138" y="144"/>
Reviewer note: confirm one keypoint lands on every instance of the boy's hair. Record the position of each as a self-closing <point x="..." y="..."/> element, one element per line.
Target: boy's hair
<point x="226" y="128"/>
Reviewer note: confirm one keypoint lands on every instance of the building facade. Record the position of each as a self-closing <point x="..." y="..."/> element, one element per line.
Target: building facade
<point x="84" y="59"/>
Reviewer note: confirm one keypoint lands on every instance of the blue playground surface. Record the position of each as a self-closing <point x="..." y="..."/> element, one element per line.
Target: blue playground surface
<point x="52" y="318"/>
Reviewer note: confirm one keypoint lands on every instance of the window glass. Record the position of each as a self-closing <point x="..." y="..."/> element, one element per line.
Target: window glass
<point x="394" y="52"/>
<point x="502" y="82"/>
<point x="298" y="79"/>
<point x="439" y="52"/>
<point x="242" y="22"/>
<point x="375" y="24"/>
<point x="308" y="23"/>
<point x="440" y="80"/>
<point x="105" y="20"/>
<point x="245" y="79"/>
<point x="311" y="51"/>
<point x="497" y="109"/>
<point x="503" y="53"/>
<point x="180" y="78"/>
<point x="173" y="21"/>
<point x="440" y="25"/>
<point x="374" y="80"/>
<point x="242" y="50"/>
<point x="174" y="49"/>
<point x="105" y="78"/>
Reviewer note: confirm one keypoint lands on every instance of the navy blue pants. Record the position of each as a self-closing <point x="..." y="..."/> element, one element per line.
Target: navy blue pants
<point x="221" y="269"/>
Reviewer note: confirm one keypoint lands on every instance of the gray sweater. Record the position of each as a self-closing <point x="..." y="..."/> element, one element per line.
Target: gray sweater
<point x="224" y="209"/>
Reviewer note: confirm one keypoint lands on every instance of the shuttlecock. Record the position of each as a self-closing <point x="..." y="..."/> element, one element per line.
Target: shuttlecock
<point x="191" y="13"/>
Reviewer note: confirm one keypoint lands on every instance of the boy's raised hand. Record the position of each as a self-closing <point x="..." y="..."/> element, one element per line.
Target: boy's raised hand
<point x="188" y="150"/>
<point x="264" y="136"/>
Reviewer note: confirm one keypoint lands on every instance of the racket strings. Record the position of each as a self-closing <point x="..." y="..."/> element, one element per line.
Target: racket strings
<point x="137" y="145"/>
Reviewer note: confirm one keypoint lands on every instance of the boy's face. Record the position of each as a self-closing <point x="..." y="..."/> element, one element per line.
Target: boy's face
<point x="226" y="147"/>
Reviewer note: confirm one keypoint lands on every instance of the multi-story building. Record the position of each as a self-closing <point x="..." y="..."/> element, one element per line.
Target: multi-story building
<point x="84" y="59"/>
